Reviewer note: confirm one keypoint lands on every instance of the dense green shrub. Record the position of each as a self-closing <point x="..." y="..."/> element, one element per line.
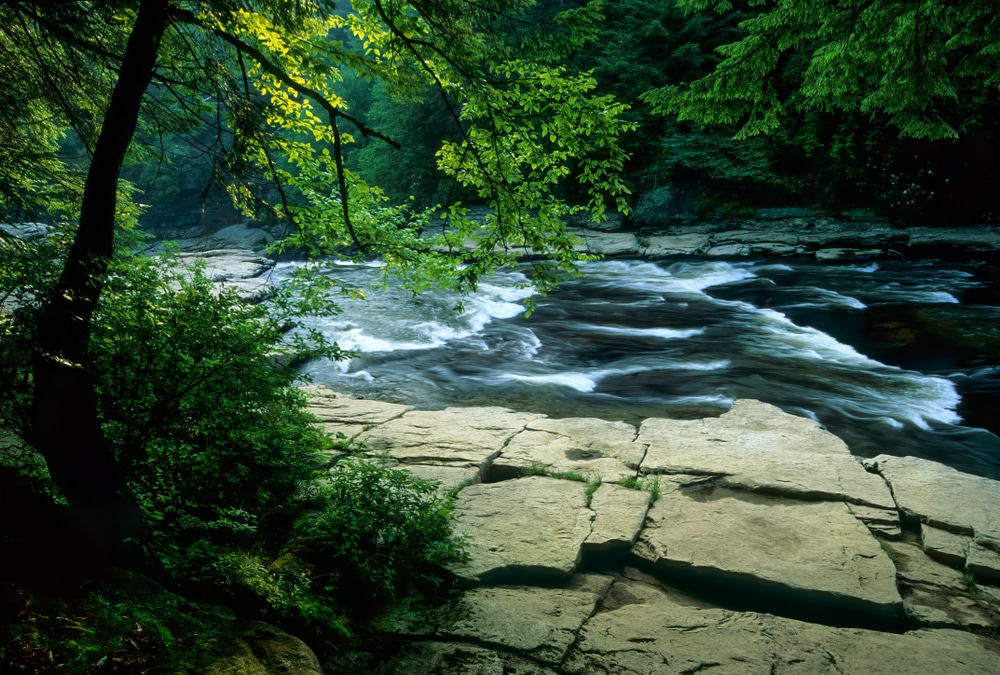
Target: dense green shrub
<point x="208" y="425"/>
<point x="376" y="529"/>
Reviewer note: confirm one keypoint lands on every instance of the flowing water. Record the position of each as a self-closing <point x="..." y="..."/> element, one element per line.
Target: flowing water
<point x="893" y="357"/>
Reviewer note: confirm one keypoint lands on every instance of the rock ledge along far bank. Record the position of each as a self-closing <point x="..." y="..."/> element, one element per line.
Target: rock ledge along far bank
<point x="769" y="548"/>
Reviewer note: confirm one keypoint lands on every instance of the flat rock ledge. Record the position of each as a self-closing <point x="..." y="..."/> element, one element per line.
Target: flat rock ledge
<point x="748" y="543"/>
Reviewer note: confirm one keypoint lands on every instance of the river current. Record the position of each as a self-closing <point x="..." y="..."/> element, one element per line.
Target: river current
<point x="893" y="357"/>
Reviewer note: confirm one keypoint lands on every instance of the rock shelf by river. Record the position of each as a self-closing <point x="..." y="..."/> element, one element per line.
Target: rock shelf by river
<point x="770" y="549"/>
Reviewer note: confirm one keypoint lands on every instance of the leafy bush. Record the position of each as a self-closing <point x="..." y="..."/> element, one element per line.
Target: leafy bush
<point x="376" y="530"/>
<point x="213" y="435"/>
<point x="207" y="425"/>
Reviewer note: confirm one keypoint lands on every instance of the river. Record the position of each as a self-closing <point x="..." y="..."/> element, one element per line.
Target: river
<point x="894" y="357"/>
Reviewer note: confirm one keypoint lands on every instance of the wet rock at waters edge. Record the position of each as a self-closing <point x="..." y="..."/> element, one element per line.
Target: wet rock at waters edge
<point x="945" y="501"/>
<point x="809" y="560"/>
<point x="608" y="243"/>
<point x="456" y="658"/>
<point x="981" y="239"/>
<point x="529" y="530"/>
<point x="540" y="623"/>
<point x="827" y="254"/>
<point x="243" y="270"/>
<point x="728" y="250"/>
<point x="658" y="635"/>
<point x="347" y="415"/>
<point x="758" y="447"/>
<point x="658" y="246"/>
<point x="463" y="437"/>
<point x="749" y="238"/>
<point x="597" y="449"/>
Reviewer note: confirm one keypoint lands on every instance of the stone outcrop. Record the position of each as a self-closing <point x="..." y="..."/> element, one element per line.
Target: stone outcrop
<point x="518" y="618"/>
<point x="958" y="514"/>
<point x="450" y="437"/>
<point x="256" y="648"/>
<point x="591" y="447"/>
<point x="759" y="553"/>
<point x="758" y="448"/>
<point x="738" y="543"/>
<point x="659" y="633"/>
<point x="532" y="528"/>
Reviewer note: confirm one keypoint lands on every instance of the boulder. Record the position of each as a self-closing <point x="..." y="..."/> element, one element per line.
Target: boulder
<point x="658" y="634"/>
<point x="241" y="236"/>
<point x="593" y="447"/>
<point x="257" y="648"/>
<point x="243" y="270"/>
<point x="813" y="561"/>
<point x="464" y="437"/>
<point x="758" y="447"/>
<point x="539" y="623"/>
<point x="529" y="530"/>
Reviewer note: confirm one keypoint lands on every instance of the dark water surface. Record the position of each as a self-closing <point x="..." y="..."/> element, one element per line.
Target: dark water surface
<point x="893" y="357"/>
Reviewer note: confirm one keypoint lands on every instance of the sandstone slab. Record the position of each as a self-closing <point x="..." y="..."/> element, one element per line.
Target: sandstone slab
<point x="936" y="595"/>
<point x="658" y="635"/>
<point x="679" y="244"/>
<point x="540" y="623"/>
<point x="758" y="447"/>
<point x="949" y="547"/>
<point x="805" y="559"/>
<point x="984" y="559"/>
<point x="448" y="478"/>
<point x="619" y="514"/>
<point x="609" y="243"/>
<point x="470" y="437"/>
<point x="348" y="415"/>
<point x="527" y="529"/>
<point x="941" y="496"/>
<point x="593" y="447"/>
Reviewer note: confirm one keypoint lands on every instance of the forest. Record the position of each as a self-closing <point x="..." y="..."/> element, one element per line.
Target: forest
<point x="152" y="427"/>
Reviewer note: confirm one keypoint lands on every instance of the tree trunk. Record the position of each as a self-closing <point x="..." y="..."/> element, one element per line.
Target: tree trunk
<point x="65" y="425"/>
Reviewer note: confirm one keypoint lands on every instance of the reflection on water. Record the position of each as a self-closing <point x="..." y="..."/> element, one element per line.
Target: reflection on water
<point x="889" y="356"/>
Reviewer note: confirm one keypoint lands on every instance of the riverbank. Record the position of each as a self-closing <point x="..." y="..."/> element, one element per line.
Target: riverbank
<point x="751" y="543"/>
<point x="769" y="232"/>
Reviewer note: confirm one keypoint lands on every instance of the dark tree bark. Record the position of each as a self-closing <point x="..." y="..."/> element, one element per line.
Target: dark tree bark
<point x="65" y="424"/>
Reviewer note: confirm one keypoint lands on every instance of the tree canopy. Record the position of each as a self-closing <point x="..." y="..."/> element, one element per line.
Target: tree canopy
<point x="918" y="65"/>
<point x="122" y="81"/>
